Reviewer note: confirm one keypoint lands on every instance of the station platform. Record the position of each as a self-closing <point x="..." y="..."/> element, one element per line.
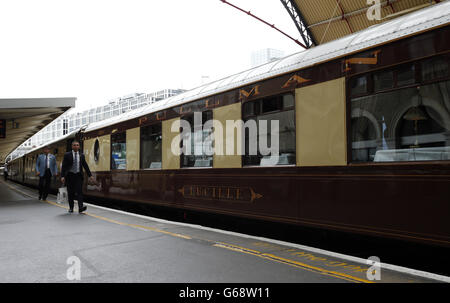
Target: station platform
<point x="39" y="237"/>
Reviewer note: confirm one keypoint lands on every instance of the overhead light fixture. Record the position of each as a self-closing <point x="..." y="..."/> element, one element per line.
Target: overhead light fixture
<point x="415" y="114"/>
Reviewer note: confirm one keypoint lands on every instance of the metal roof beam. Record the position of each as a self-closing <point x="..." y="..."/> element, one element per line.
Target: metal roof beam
<point x="300" y="22"/>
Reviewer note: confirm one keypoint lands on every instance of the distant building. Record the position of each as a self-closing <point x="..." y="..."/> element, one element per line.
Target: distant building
<point x="266" y="55"/>
<point x="166" y="93"/>
<point x="73" y="119"/>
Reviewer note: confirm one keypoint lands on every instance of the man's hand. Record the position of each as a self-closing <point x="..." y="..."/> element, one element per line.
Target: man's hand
<point x="38" y="173"/>
<point x="62" y="180"/>
<point x="91" y="178"/>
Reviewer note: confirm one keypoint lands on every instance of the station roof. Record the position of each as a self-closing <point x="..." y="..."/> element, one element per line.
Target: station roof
<point x="321" y="21"/>
<point x="22" y="118"/>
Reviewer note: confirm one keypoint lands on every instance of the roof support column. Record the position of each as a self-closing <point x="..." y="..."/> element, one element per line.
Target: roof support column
<point x="300" y="23"/>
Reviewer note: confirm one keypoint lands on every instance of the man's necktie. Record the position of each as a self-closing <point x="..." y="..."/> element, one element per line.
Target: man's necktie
<point x="46" y="162"/>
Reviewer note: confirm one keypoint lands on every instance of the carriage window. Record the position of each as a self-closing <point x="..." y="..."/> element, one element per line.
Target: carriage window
<point x="270" y="104"/>
<point x="435" y="68"/>
<point x="409" y="124"/>
<point x="119" y="151"/>
<point x="199" y="141"/>
<point x="406" y="76"/>
<point x="259" y="127"/>
<point x="383" y="80"/>
<point x="151" y="146"/>
<point x="288" y="101"/>
<point x="358" y="86"/>
<point x="96" y="150"/>
<point x="249" y="109"/>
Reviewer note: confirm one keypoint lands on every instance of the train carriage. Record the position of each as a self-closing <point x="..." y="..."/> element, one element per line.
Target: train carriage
<point x="364" y="138"/>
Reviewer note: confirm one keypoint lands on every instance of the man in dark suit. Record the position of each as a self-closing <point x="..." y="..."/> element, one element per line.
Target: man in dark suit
<point x="72" y="175"/>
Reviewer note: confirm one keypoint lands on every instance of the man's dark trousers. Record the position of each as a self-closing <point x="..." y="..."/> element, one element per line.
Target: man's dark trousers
<point x="75" y="188"/>
<point x="44" y="184"/>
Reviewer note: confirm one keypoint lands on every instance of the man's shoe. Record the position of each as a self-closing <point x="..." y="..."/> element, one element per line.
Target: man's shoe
<point x="70" y="210"/>
<point x="82" y="209"/>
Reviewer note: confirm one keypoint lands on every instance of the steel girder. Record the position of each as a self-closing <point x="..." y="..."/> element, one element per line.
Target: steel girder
<point x="300" y="22"/>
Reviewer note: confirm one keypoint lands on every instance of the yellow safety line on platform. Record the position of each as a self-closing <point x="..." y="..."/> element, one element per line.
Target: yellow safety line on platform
<point x="292" y="263"/>
<point x="224" y="245"/>
<point x="141" y="227"/>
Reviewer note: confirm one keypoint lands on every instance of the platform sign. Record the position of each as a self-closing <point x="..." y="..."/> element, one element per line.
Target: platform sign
<point x="2" y="129"/>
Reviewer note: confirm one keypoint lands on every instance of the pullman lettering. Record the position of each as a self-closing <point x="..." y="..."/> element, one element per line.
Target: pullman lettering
<point x="295" y="79"/>
<point x="243" y="94"/>
<point x="367" y="61"/>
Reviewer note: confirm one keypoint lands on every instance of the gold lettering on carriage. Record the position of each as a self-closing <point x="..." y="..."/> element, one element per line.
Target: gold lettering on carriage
<point x="365" y="61"/>
<point x="221" y="193"/>
<point x="295" y="79"/>
<point x="243" y="94"/>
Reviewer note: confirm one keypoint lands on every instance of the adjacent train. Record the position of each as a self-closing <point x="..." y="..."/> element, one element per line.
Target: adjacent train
<point x="364" y="139"/>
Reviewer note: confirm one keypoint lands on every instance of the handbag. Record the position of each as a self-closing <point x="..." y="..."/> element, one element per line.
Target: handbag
<point x="62" y="196"/>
